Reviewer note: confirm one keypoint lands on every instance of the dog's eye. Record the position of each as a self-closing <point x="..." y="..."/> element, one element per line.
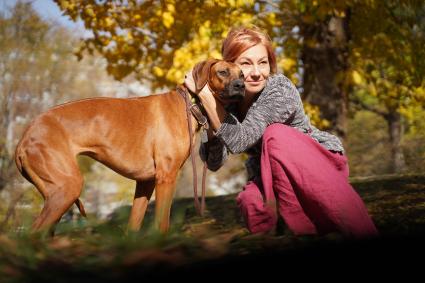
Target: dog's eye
<point x="223" y="73"/>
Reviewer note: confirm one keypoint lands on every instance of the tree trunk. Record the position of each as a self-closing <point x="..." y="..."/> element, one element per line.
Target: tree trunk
<point x="4" y="153"/>
<point x="6" y="139"/>
<point x="11" y="209"/>
<point x="395" y="128"/>
<point x="325" y="58"/>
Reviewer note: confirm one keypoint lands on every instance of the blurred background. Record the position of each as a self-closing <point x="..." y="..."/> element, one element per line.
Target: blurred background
<point x="359" y="66"/>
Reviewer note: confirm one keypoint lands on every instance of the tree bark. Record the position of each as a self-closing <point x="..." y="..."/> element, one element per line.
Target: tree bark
<point x="395" y="128"/>
<point x="11" y="209"/>
<point x="325" y="61"/>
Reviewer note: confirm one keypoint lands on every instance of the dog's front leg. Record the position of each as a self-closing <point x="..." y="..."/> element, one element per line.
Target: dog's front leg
<point x="164" y="193"/>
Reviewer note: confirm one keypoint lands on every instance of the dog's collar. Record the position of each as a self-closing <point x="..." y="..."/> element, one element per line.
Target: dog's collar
<point x="194" y="106"/>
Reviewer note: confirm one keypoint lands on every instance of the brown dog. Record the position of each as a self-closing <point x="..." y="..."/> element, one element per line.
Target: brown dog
<point x="145" y="139"/>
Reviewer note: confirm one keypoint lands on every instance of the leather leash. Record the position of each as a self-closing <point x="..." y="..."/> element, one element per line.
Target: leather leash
<point x="194" y="109"/>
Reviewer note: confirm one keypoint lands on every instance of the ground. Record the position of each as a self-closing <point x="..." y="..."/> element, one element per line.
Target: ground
<point x="205" y="248"/>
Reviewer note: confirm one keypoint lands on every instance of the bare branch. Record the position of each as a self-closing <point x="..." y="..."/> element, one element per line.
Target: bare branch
<point x="364" y="106"/>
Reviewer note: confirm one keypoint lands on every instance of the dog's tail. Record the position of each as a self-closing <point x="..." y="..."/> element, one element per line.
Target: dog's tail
<point x="80" y="206"/>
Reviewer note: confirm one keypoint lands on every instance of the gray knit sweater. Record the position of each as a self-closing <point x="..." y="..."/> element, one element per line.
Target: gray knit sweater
<point x="279" y="102"/>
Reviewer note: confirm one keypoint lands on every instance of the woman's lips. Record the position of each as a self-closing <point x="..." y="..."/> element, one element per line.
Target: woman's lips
<point x="254" y="83"/>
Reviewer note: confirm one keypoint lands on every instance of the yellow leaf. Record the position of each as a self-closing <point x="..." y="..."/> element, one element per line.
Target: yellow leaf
<point x="167" y="19"/>
<point x="64" y="4"/>
<point x="171" y="8"/>
<point x="216" y="54"/>
<point x="313" y="112"/>
<point x="109" y="22"/>
<point x="357" y="78"/>
<point x="245" y="18"/>
<point x="372" y="90"/>
<point x="420" y="92"/>
<point x="158" y="71"/>
<point x="288" y="63"/>
<point x="90" y="12"/>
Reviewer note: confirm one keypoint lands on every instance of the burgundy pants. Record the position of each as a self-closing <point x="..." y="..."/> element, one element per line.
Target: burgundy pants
<point x="307" y="185"/>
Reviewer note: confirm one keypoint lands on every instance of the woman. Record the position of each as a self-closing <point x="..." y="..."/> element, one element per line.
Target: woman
<point x="294" y="170"/>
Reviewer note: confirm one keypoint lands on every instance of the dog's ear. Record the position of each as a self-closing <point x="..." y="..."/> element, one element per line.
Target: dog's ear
<point x="201" y="73"/>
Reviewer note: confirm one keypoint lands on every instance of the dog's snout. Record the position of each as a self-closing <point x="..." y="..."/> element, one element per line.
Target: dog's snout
<point x="239" y="84"/>
<point x="237" y="89"/>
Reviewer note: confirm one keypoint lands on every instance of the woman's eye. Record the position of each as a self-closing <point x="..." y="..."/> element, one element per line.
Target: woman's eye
<point x="264" y="62"/>
<point x="244" y="63"/>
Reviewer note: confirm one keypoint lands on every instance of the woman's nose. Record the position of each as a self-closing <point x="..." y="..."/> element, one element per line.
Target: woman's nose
<point x="251" y="70"/>
<point x="255" y="70"/>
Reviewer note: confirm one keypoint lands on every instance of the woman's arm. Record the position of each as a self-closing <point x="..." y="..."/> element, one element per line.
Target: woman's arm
<point x="214" y="153"/>
<point x="278" y="102"/>
<point x="215" y="110"/>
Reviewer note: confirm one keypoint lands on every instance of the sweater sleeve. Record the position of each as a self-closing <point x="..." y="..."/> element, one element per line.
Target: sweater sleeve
<point x="215" y="153"/>
<point x="276" y="104"/>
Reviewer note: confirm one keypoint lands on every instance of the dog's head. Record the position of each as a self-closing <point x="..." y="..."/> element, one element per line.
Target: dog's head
<point x="225" y="79"/>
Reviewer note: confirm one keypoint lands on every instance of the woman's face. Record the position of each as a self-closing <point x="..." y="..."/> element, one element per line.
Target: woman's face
<point x="254" y="63"/>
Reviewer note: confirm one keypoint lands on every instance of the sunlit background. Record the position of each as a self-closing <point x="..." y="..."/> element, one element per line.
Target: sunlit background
<point x="361" y="80"/>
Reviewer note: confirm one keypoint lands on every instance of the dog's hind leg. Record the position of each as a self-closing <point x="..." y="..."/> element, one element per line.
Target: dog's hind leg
<point x="57" y="178"/>
<point x="55" y="206"/>
<point x="144" y="190"/>
<point x="61" y="197"/>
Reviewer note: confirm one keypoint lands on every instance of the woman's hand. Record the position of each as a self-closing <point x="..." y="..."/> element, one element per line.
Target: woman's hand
<point x="189" y="82"/>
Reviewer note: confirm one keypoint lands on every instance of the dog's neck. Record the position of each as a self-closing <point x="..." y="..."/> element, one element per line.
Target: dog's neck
<point x="194" y="106"/>
<point x="193" y="96"/>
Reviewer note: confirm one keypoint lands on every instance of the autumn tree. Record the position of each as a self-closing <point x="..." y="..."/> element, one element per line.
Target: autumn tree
<point x="388" y="66"/>
<point x="160" y="40"/>
<point x="37" y="70"/>
<point x="318" y="43"/>
<point x="21" y="35"/>
<point x="157" y="40"/>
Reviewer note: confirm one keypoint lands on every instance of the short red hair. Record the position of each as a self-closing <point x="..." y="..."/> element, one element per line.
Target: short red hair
<point x="242" y="38"/>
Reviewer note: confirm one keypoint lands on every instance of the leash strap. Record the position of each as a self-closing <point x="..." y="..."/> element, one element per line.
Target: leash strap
<point x="203" y="122"/>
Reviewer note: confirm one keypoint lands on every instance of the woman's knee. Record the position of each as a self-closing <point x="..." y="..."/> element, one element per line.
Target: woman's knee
<point x="277" y="134"/>
<point x="259" y="218"/>
<point x="250" y="195"/>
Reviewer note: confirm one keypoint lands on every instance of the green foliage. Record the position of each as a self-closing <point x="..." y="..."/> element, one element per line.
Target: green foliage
<point x="387" y="55"/>
<point x="368" y="145"/>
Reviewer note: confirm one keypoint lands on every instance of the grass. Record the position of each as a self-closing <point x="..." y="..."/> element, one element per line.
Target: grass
<point x="206" y="246"/>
